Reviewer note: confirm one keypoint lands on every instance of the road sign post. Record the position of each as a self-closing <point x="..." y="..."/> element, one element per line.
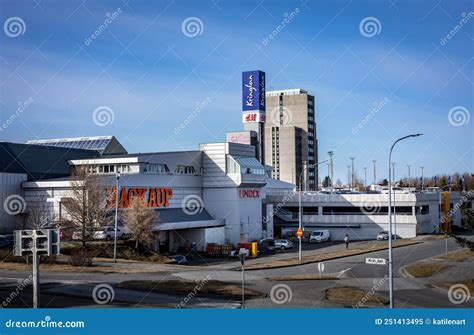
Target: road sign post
<point x="242" y="262"/>
<point x="299" y="234"/>
<point x="35" y="243"/>
<point x="376" y="261"/>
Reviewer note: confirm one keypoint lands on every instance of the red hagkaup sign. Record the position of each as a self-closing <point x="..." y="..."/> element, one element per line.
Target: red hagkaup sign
<point x="153" y="197"/>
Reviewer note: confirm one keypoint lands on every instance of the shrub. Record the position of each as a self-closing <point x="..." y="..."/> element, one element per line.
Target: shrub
<point x="81" y="257"/>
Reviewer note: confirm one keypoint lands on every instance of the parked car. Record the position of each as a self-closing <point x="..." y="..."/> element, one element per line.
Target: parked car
<point x="180" y="259"/>
<point x="283" y="244"/>
<point x="6" y="241"/>
<point x="383" y="235"/>
<point x="108" y="233"/>
<point x="319" y="236"/>
<point x="266" y="246"/>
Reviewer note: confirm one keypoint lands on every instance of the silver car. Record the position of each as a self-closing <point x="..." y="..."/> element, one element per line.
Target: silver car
<point x="283" y="244"/>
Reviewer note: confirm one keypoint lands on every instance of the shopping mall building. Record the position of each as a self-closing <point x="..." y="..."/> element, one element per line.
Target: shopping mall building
<point x="219" y="193"/>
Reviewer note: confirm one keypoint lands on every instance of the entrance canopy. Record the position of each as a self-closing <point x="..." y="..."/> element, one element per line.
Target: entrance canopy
<point x="177" y="218"/>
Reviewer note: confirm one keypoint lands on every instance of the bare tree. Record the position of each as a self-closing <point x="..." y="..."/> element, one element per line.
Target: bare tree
<point x="39" y="215"/>
<point x="139" y="220"/>
<point x="87" y="205"/>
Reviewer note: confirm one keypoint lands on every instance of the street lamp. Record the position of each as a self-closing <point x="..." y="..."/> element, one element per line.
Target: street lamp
<point x="352" y="179"/>
<point x="375" y="171"/>
<point x="117" y="177"/>
<point x="299" y="204"/>
<point x="390" y="257"/>
<point x="331" y="153"/>
<point x="408" y="166"/>
<point x="365" y="178"/>
<point x="422" y="178"/>
<point x="349" y="175"/>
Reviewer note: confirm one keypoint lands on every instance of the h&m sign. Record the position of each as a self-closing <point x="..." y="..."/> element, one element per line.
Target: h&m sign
<point x="152" y="197"/>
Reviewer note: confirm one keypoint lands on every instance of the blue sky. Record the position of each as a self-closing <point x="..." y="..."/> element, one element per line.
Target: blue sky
<point x="151" y="75"/>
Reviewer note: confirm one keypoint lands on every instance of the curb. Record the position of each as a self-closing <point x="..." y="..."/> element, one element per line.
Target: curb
<point x="323" y="260"/>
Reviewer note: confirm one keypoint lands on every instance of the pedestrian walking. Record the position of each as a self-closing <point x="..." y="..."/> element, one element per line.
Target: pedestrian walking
<point x="346" y="241"/>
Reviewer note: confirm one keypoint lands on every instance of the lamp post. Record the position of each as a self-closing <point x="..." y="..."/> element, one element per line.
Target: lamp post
<point x="352" y="175"/>
<point x="422" y="177"/>
<point x="390" y="257"/>
<point x="394" y="204"/>
<point x="409" y="182"/>
<point x="299" y="205"/>
<point x="349" y="175"/>
<point x="375" y="171"/>
<point x="330" y="153"/>
<point x="117" y="177"/>
<point x="365" y="178"/>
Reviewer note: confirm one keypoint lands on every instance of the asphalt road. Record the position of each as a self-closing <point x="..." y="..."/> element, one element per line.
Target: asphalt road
<point x="352" y="271"/>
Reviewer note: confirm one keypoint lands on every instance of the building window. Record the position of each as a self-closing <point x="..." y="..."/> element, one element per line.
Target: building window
<point x="157" y="168"/>
<point x="185" y="169"/>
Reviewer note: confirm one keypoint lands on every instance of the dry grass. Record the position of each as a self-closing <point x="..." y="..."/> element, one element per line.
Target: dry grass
<point x="457" y="256"/>
<point x="302" y="277"/>
<point x="423" y="270"/>
<point x="376" y="246"/>
<point x="186" y="287"/>
<point x="469" y="283"/>
<point x="73" y="269"/>
<point x="350" y="294"/>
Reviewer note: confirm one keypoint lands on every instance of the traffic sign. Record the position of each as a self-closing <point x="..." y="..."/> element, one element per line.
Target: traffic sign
<point x="377" y="261"/>
<point x="299" y="232"/>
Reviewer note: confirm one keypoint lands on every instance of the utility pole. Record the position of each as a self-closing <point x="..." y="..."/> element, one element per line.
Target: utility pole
<point x="394" y="202"/>
<point x="117" y="177"/>
<point x="409" y="182"/>
<point x="422" y="177"/>
<point x="352" y="179"/>
<point x="348" y="175"/>
<point x="365" y="177"/>
<point x="375" y="171"/>
<point x="330" y="153"/>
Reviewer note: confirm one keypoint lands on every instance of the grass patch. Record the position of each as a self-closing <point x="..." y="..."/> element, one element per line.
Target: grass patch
<point x="457" y="256"/>
<point x="469" y="283"/>
<point x="353" y="295"/>
<point x="302" y="277"/>
<point x="423" y="270"/>
<point x="188" y="287"/>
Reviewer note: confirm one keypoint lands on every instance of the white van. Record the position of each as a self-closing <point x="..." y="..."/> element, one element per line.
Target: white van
<point x="319" y="236"/>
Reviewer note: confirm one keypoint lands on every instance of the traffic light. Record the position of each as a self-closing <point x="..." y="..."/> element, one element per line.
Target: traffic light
<point x="24" y="242"/>
<point x="40" y="242"/>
